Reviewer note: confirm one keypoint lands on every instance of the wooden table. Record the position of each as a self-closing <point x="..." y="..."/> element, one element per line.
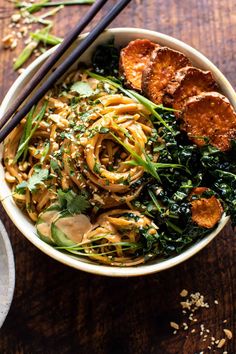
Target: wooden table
<point x="60" y="310"/>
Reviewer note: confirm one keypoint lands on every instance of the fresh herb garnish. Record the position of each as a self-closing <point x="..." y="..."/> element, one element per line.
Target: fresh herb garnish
<point x="46" y="3"/>
<point x="55" y="166"/>
<point x="148" y="165"/>
<point x="46" y="38"/>
<point x="82" y="88"/>
<point x="79" y="249"/>
<point x="37" y="178"/>
<point x="28" y="50"/>
<point x="97" y="167"/>
<point x="72" y="202"/>
<point x="32" y="124"/>
<point x="44" y="152"/>
<point x="152" y="107"/>
<point x="25" y="54"/>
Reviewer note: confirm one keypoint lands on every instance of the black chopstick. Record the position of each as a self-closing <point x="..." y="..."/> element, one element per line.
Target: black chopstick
<point x="61" y="69"/>
<point x="51" y="61"/>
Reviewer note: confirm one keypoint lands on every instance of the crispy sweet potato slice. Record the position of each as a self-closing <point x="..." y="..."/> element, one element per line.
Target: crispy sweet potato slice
<point x="210" y="115"/>
<point x="163" y="64"/>
<point x="206" y="212"/>
<point x="187" y="82"/>
<point x="133" y="59"/>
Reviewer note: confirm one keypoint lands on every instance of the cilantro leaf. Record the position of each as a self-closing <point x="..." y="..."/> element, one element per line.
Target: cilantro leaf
<point x="21" y="187"/>
<point x="37" y="178"/>
<point x="82" y="88"/>
<point x="72" y="202"/>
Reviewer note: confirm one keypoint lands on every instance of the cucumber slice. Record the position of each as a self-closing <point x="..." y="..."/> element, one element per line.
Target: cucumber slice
<point x="70" y="230"/>
<point x="44" y="222"/>
<point x="60" y="237"/>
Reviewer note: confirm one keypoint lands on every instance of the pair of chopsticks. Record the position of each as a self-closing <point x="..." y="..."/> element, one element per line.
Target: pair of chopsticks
<point x="10" y="119"/>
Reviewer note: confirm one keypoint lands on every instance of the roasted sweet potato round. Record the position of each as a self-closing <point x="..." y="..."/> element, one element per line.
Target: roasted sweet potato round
<point x="163" y="64"/>
<point x="133" y="60"/>
<point x="210" y="118"/>
<point x="187" y="82"/>
<point x="206" y="212"/>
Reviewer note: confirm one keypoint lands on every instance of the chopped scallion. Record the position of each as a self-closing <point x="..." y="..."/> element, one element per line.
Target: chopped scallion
<point x="45" y="3"/>
<point x="30" y="127"/>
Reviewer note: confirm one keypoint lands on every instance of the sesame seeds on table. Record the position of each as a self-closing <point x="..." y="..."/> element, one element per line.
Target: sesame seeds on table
<point x="191" y="304"/>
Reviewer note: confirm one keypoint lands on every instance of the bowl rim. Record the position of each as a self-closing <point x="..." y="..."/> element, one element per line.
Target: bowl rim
<point x="102" y="269"/>
<point x="6" y="303"/>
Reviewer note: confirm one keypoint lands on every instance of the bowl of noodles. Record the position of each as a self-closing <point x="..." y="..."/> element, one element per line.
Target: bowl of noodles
<point x="112" y="173"/>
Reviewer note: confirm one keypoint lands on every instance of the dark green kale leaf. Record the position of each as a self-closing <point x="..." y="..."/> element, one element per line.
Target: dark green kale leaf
<point x="167" y="201"/>
<point x="225" y="186"/>
<point x="175" y="243"/>
<point x="105" y="59"/>
<point x="150" y="243"/>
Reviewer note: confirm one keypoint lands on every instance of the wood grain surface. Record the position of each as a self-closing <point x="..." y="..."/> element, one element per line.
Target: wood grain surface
<point x="60" y="310"/>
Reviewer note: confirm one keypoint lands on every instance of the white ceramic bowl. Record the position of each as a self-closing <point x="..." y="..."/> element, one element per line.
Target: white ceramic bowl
<point x="122" y="37"/>
<point x="7" y="274"/>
